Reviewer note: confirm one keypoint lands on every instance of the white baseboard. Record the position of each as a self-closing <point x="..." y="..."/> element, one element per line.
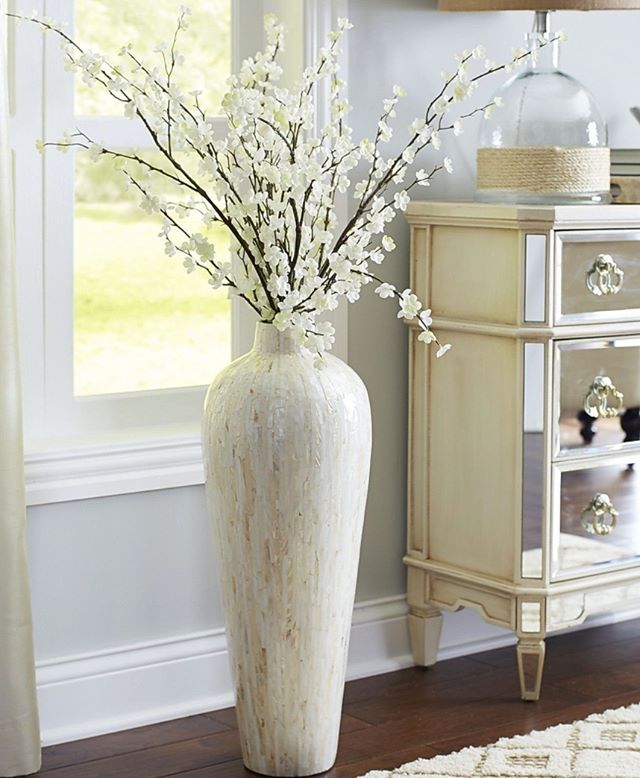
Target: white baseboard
<point x="127" y="687"/>
<point x="130" y="686"/>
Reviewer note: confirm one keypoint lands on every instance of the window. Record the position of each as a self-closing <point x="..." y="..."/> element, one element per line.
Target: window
<point x="128" y="339"/>
<point x="140" y="322"/>
<point x="118" y="342"/>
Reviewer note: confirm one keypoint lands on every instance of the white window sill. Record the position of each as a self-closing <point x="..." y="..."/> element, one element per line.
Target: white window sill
<point x="82" y="471"/>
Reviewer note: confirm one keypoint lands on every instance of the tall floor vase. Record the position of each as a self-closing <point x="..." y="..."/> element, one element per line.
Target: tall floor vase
<point x="287" y="448"/>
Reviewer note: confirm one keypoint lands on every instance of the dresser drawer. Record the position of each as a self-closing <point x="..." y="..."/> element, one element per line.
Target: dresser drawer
<point x="597" y="276"/>
<point x="596" y="522"/>
<point x="596" y="394"/>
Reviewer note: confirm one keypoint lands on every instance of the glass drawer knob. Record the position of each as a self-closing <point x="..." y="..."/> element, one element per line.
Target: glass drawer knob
<point x="603" y="400"/>
<point x="604" y="277"/>
<point x="599" y="517"/>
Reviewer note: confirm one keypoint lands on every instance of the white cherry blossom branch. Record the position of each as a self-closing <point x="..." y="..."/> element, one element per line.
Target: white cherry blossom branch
<point x="272" y="181"/>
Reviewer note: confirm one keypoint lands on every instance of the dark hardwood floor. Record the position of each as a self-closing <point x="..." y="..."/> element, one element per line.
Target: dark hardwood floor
<point x="393" y="718"/>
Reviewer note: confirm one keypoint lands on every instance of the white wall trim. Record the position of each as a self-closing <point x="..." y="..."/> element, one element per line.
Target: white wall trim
<point x="65" y="474"/>
<point x="130" y="686"/>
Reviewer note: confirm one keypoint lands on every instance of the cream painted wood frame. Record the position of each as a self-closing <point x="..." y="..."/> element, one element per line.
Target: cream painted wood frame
<point x="492" y="275"/>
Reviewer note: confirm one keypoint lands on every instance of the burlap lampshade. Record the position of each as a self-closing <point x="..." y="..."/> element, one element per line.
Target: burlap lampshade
<point x="538" y="5"/>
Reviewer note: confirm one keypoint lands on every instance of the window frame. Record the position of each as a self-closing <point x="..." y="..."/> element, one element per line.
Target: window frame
<point x="68" y="415"/>
<point x="81" y="447"/>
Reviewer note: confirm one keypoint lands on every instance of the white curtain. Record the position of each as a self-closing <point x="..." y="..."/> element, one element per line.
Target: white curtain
<point x="19" y="729"/>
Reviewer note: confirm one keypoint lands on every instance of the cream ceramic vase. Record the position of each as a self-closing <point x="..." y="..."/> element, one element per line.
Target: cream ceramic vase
<point x="287" y="449"/>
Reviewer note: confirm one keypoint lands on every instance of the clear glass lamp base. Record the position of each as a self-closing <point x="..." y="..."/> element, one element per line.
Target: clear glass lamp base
<point x="546" y="142"/>
<point x="540" y="198"/>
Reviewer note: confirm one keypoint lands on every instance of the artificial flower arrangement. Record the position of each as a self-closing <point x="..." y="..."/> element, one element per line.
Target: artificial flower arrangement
<point x="274" y="179"/>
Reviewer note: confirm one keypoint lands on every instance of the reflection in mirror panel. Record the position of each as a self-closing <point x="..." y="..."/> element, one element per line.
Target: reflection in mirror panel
<point x="535" y="283"/>
<point x="571" y="607"/>
<point x="591" y="279"/>
<point x="599" y="512"/>
<point x="530" y="617"/>
<point x="533" y="460"/>
<point x="599" y="402"/>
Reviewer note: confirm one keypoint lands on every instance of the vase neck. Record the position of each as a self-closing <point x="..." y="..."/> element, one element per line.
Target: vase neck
<point x="269" y="340"/>
<point x="545" y="55"/>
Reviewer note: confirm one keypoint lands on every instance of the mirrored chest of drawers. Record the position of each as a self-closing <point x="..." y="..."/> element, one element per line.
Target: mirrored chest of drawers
<point x="524" y="442"/>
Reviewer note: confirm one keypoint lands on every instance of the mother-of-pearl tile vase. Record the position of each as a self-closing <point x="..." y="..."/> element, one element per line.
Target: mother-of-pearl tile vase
<point x="287" y="447"/>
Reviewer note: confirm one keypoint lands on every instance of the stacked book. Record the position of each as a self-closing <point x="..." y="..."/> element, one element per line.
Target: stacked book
<point x="625" y="175"/>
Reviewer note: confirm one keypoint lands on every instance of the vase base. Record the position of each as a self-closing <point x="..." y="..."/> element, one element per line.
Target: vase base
<point x="289" y="771"/>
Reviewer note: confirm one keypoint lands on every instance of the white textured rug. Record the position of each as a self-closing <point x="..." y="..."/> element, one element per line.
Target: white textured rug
<point x="605" y="745"/>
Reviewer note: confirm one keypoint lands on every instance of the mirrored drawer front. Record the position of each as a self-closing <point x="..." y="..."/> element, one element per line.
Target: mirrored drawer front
<point x="599" y="519"/>
<point x="597" y="394"/>
<point x="599" y="276"/>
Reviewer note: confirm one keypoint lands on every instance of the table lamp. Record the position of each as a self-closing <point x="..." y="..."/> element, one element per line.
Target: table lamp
<point x="548" y="141"/>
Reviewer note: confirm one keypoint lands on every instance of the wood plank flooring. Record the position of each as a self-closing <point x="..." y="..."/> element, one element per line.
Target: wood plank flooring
<point x="391" y="719"/>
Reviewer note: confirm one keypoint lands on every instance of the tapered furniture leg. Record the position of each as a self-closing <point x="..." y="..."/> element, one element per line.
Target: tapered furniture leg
<point x="425" y="626"/>
<point x="530" y="665"/>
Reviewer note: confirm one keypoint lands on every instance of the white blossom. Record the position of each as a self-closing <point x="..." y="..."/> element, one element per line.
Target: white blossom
<point x="401" y="200"/>
<point x="400" y="176"/>
<point x="462" y="90"/>
<point x="409" y="305"/>
<point x="424" y="318"/>
<point x="408" y="155"/>
<point x="441" y="105"/>
<point x="385" y="131"/>
<point x="386" y="290"/>
<point x="367" y="148"/>
<point x="426" y="336"/>
<point x="94" y="151"/>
